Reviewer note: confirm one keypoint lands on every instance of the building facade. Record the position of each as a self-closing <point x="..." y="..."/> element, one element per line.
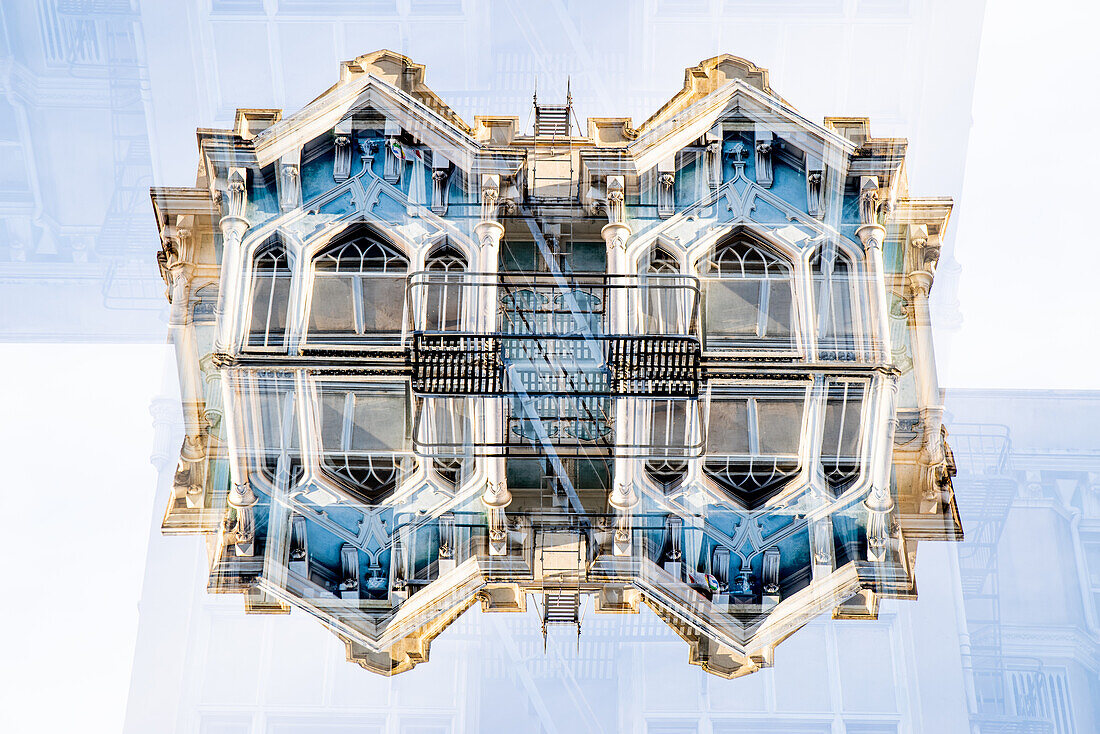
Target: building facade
<point x="686" y="364"/>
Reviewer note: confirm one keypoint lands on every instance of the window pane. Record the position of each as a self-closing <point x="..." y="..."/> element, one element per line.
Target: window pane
<point x="733" y="307"/>
<point x="443" y="306"/>
<point x="270" y="294"/>
<point x="669" y="426"/>
<point x="379" y="422"/>
<point x="779" y="309"/>
<point x="332" y="310"/>
<point x="779" y="426"/>
<point x="727" y="428"/>
<point x="332" y="419"/>
<point x="383" y="304"/>
<point x="841" y="432"/>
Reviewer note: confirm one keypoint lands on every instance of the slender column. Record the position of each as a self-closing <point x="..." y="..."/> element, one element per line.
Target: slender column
<point x="615" y="234"/>
<point x="880" y="501"/>
<point x="233" y="226"/>
<point x="489" y="233"/>
<point x="871" y="234"/>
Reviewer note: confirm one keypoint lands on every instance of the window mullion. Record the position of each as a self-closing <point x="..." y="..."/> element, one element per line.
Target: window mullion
<point x="752" y="415"/>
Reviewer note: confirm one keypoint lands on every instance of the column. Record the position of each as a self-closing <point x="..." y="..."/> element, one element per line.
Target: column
<point x="615" y="234"/>
<point x="233" y="226"/>
<point x="924" y="368"/>
<point x="880" y="501"/>
<point x="871" y="233"/>
<point x="489" y="233"/>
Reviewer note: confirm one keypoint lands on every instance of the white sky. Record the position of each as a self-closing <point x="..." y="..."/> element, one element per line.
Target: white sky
<point x="1028" y="290"/>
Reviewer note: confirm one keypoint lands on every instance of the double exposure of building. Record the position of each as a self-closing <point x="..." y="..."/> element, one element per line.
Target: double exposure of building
<point x="426" y="364"/>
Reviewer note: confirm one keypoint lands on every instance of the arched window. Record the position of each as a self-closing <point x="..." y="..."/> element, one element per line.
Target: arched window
<point x="749" y="297"/>
<point x="363" y="432"/>
<point x="270" y="291"/>
<point x="832" y="273"/>
<point x="358" y="290"/>
<point x="664" y="310"/>
<point x="443" y="296"/>
<point x="840" y="439"/>
<point x="753" y="442"/>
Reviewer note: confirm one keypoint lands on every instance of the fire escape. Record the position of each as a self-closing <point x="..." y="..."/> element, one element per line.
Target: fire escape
<point x="113" y="29"/>
<point x="1010" y="695"/>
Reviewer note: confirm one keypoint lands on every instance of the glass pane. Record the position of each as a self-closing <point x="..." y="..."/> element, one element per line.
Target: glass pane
<point x="780" y="309"/>
<point x="728" y="427"/>
<point x="733" y="307"/>
<point x="444" y="302"/>
<point x="669" y="427"/>
<point x="779" y="426"/>
<point x="379" y="423"/>
<point x="841" y="432"/>
<point x="332" y="310"/>
<point x="383" y="304"/>
<point x="270" y="294"/>
<point x="332" y="419"/>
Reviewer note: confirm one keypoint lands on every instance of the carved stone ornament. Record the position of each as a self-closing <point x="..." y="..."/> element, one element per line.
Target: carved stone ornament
<point x="868" y="200"/>
<point x="666" y="202"/>
<point x="235" y="191"/>
<point x="764" y="148"/>
<point x="341" y="165"/>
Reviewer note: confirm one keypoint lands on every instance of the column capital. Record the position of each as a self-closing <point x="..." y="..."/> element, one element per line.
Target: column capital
<point x="623" y="496"/>
<point x="921" y="282"/>
<point x="488" y="233"/>
<point x="871" y="236"/>
<point x="615" y="235"/>
<point x="233" y="226"/>
<point x="496" y="495"/>
<point x="241" y="495"/>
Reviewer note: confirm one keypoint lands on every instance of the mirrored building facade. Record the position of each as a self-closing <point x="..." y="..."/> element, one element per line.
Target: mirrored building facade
<point x="427" y="364"/>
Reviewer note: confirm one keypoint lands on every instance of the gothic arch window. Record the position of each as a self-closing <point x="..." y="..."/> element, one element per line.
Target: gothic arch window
<point x="358" y="290"/>
<point x="363" y="432"/>
<point x="833" y="276"/>
<point x="444" y="293"/>
<point x="749" y="296"/>
<point x="669" y="435"/>
<point x="753" y="442"/>
<point x="664" y="310"/>
<point x="840" y="440"/>
<point x="270" y="295"/>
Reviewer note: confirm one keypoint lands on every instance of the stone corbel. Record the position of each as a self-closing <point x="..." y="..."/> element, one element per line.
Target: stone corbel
<point x="879" y="504"/>
<point x="713" y="156"/>
<point x="341" y="163"/>
<point x="673" y="561"/>
<point x="623" y="498"/>
<point x="868" y="201"/>
<point x="236" y="190"/>
<point x="299" y="547"/>
<point x="490" y="197"/>
<point x="441" y="174"/>
<point x="615" y="201"/>
<point x="391" y="169"/>
<point x="290" y="185"/>
<point x="769" y="571"/>
<point x="348" y="585"/>
<point x="815" y="187"/>
<point x="666" y="197"/>
<point x="926" y="248"/>
<point x="821" y="547"/>
<point x="496" y="497"/>
<point x="241" y="500"/>
<point x="447" y="561"/>
<point x="765" y="141"/>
